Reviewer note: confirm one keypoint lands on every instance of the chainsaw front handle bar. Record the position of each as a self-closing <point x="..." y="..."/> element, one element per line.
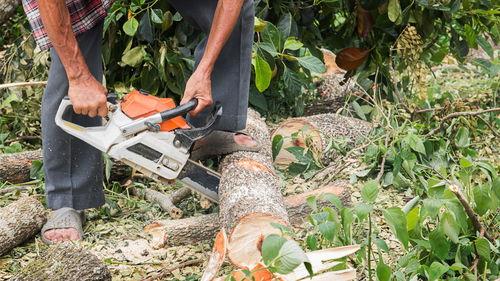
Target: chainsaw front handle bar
<point x="178" y="111"/>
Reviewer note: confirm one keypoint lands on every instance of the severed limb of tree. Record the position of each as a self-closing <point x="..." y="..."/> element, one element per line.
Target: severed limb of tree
<point x="166" y="201"/>
<point x="19" y="221"/>
<point x="7" y="9"/>
<point x="167" y="271"/>
<point x="15" y="167"/>
<point x="195" y="229"/>
<point x="470" y="213"/>
<point x="20" y="84"/>
<point x="442" y="124"/>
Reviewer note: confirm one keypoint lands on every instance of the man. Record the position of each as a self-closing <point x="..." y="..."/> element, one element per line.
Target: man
<point x="73" y="32"/>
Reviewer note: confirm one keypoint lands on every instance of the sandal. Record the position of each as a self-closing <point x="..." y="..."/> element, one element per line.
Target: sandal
<point x="220" y="143"/>
<point x="64" y="218"/>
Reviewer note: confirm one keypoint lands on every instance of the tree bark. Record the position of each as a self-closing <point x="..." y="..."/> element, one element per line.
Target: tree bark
<point x="15" y="167"/>
<point x="64" y="262"/>
<point x="195" y="229"/>
<point x="315" y="133"/>
<point x="7" y="8"/>
<point x="250" y="197"/>
<point x="20" y="221"/>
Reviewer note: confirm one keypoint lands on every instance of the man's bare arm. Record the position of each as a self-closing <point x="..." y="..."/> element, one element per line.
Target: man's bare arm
<point x="198" y="85"/>
<point x="87" y="95"/>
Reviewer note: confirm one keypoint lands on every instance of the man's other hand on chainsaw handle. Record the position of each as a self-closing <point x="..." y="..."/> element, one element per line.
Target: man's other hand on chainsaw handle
<point x="88" y="96"/>
<point x="198" y="86"/>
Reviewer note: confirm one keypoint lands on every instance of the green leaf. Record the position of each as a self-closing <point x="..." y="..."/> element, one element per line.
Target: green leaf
<point x="259" y="25"/>
<point x="133" y="57"/>
<point x="465" y="163"/>
<point x="450" y="227"/>
<point x="157" y="16"/>
<point x="362" y="210"/>
<point x="482" y="199"/>
<point x="36" y="170"/>
<point x="483" y="248"/>
<point x="271" y="247"/>
<point x="439" y="244"/>
<point x="268" y="47"/>
<point x="382" y="245"/>
<point x="495" y="186"/>
<point x="312" y="63"/>
<point x="436" y="270"/>
<point x="290" y="257"/>
<point x="312" y="242"/>
<point x="311" y="201"/>
<point x="462" y="138"/>
<point x="168" y="21"/>
<point x="416" y="144"/>
<point x="263" y="74"/>
<point x="485" y="45"/>
<point x="397" y="221"/>
<point x="394" y="11"/>
<point x="470" y="35"/>
<point x="271" y="35"/>
<point x="359" y="111"/>
<point x="334" y="199"/>
<point x="370" y="191"/>
<point x="412" y="218"/>
<point x="431" y="207"/>
<point x="328" y="230"/>
<point x="383" y="272"/>
<point x="287" y="25"/>
<point x="292" y="44"/>
<point x="130" y="26"/>
<point x="277" y="145"/>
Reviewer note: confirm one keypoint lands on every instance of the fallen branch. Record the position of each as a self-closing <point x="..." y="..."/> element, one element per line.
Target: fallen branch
<point x="9" y="189"/>
<point x="470" y="213"/>
<point x="167" y="271"/>
<point x="382" y="165"/>
<point x="459" y="114"/>
<point x="165" y="201"/>
<point x="22" y="84"/>
<point x="21" y="138"/>
<point x="489" y="126"/>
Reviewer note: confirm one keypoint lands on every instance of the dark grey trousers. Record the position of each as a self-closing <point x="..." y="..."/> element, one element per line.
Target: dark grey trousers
<point x="73" y="169"/>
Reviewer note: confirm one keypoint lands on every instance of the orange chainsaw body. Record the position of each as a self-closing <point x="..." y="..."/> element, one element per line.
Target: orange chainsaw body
<point x="137" y="105"/>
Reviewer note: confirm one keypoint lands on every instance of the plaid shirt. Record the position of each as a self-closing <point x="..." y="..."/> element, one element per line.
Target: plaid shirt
<point x="84" y="14"/>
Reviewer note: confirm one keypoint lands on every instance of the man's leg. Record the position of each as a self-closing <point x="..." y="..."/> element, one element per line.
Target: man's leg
<point x="73" y="169"/>
<point x="231" y="74"/>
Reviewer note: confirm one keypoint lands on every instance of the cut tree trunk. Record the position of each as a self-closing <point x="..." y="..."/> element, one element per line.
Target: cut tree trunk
<point x="64" y="262"/>
<point x="7" y="8"/>
<point x="19" y="221"/>
<point x="315" y="133"/>
<point x="195" y="229"/>
<point x="15" y="167"/>
<point x="250" y="197"/>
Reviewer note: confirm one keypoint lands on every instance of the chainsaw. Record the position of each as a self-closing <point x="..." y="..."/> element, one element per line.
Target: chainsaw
<point x="150" y="135"/>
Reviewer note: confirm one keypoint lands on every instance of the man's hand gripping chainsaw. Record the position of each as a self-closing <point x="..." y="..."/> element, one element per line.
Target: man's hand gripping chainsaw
<point x="155" y="143"/>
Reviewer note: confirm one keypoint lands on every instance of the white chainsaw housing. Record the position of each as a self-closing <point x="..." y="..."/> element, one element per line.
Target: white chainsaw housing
<point x="153" y="153"/>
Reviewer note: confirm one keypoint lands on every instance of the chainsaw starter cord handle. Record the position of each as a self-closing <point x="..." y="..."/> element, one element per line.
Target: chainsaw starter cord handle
<point x="178" y="111"/>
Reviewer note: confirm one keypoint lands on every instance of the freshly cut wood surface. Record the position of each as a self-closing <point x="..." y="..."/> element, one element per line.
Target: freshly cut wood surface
<point x="64" y="262"/>
<point x="194" y="229"/>
<point x="15" y="167"/>
<point x="19" y="221"/>
<point x="316" y="132"/>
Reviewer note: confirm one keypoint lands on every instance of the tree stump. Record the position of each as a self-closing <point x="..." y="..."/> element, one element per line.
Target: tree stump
<point x="19" y="221"/>
<point x="64" y="262"/>
<point x="315" y="133"/>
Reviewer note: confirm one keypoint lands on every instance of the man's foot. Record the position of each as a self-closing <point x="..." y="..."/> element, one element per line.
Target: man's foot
<point x="63" y="225"/>
<point x="222" y="142"/>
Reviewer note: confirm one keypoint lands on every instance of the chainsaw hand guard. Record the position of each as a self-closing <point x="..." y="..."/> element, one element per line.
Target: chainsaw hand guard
<point x="186" y="137"/>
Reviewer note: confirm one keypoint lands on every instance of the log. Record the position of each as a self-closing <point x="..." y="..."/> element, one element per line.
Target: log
<point x="250" y="197"/>
<point x="15" y="167"/>
<point x="19" y="221"/>
<point x="64" y="262"/>
<point x="195" y="229"/>
<point x="315" y="132"/>
<point x="7" y="9"/>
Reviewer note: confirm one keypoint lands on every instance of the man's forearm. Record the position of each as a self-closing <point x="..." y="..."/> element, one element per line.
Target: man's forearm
<point x="225" y="18"/>
<point x="56" y="19"/>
